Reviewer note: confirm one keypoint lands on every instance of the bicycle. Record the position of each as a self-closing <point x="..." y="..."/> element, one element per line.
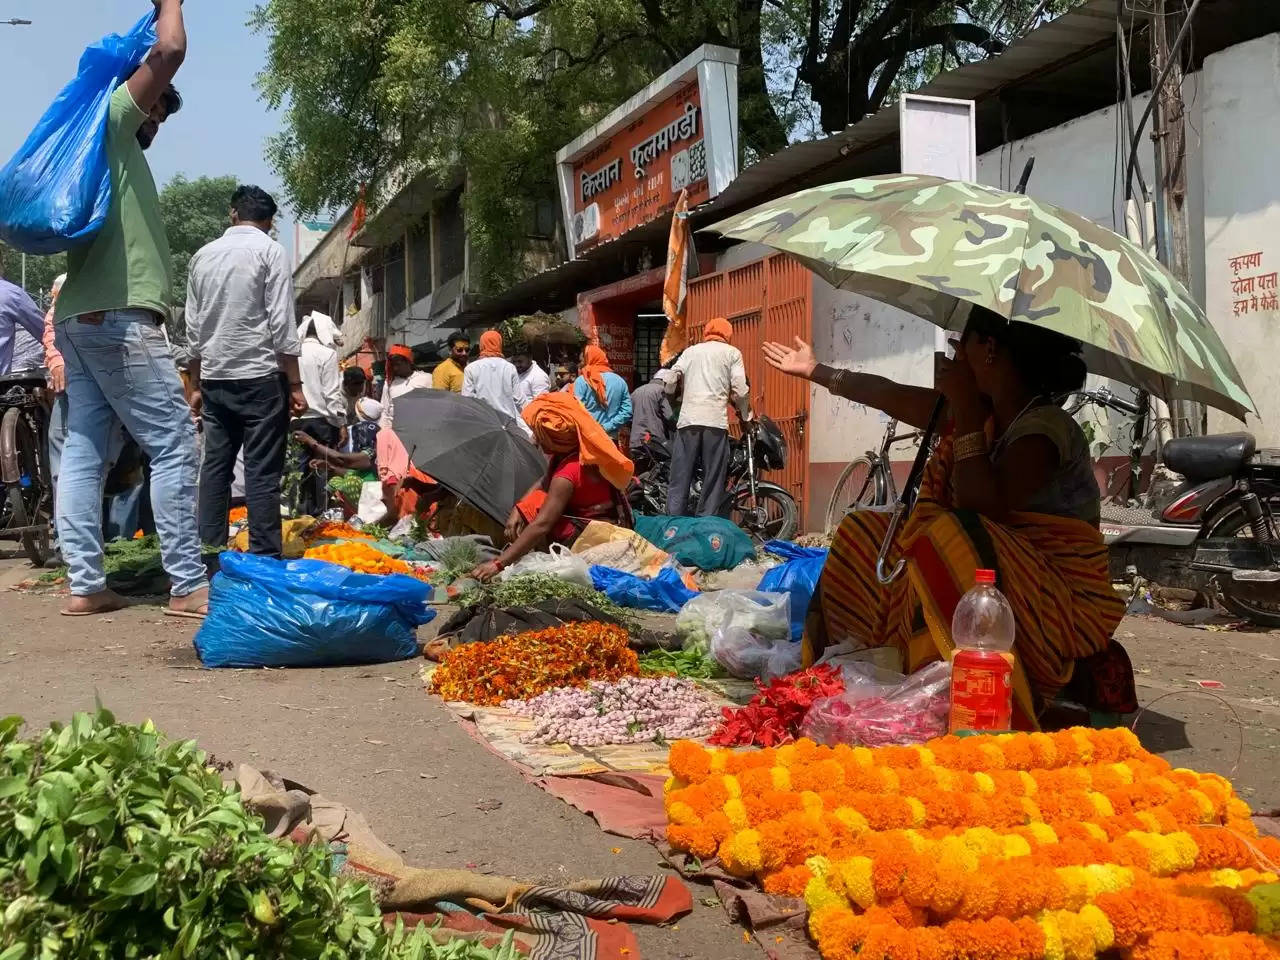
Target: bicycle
<point x="867" y="482"/>
<point x="26" y="489"/>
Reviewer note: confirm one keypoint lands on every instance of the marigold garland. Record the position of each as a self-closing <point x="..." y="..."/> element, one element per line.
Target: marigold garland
<point x="359" y="557"/>
<point x="527" y="664"/>
<point x="1030" y="846"/>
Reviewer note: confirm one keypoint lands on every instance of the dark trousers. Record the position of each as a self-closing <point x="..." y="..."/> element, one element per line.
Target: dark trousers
<point x="694" y="446"/>
<point x="313" y="497"/>
<point x="253" y="415"/>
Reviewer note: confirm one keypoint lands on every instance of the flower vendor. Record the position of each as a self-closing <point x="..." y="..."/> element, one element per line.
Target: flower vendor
<point x="1010" y="487"/>
<point x="586" y="479"/>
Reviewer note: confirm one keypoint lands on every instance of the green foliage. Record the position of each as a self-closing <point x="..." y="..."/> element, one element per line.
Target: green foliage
<point x="117" y="843"/>
<point x="376" y="90"/>
<point x="41" y="272"/>
<point x="195" y="212"/>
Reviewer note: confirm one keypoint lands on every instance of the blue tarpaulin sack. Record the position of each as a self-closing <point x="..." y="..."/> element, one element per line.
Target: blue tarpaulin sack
<point x="708" y="543"/>
<point x="265" y="612"/>
<point x="56" y="191"/>
<point x="797" y="575"/>
<point x="665" y="593"/>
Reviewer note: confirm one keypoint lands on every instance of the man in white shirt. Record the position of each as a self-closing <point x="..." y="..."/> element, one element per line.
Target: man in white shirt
<point x="403" y="379"/>
<point x="494" y="380"/>
<point x="534" y="381"/>
<point x="326" y="415"/>
<point x="712" y="375"/>
<point x="243" y="368"/>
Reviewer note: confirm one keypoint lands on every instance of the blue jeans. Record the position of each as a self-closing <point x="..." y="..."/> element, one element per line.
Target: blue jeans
<point x="119" y="370"/>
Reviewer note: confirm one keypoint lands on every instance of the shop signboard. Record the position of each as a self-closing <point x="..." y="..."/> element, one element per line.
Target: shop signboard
<point x="680" y="132"/>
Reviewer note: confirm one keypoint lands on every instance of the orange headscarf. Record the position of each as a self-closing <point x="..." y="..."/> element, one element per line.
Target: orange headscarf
<point x="491" y="344"/>
<point x="561" y="424"/>
<point x="718" y="329"/>
<point x="400" y="350"/>
<point x="595" y="364"/>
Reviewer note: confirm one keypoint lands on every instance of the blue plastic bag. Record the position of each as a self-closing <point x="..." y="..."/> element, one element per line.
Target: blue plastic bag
<point x="798" y="576"/>
<point x="56" y="191"/>
<point x="265" y="612"/>
<point x="708" y="543"/>
<point x="665" y="593"/>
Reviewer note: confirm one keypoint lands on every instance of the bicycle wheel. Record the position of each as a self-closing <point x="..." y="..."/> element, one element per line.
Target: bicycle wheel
<point x="860" y="485"/>
<point x="772" y="515"/>
<point x="29" y="504"/>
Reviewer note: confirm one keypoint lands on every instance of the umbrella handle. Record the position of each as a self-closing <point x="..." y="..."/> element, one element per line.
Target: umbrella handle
<point x="907" y="498"/>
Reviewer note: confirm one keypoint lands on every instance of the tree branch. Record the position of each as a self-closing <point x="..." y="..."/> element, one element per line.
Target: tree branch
<point x="884" y="82"/>
<point x="515" y="14"/>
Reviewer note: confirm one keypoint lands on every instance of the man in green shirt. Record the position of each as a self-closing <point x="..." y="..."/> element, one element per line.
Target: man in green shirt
<point x="109" y="329"/>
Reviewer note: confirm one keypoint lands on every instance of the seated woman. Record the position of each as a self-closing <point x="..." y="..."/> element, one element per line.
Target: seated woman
<point x="586" y="480"/>
<point x="1010" y="487"/>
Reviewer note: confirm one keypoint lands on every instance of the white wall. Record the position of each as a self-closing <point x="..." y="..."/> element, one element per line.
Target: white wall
<point x="1242" y="214"/>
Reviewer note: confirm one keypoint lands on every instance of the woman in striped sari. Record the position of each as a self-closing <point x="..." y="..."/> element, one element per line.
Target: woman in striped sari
<point x="1010" y="487"/>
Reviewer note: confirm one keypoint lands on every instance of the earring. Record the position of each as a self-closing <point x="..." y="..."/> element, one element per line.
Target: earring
<point x="991" y="358"/>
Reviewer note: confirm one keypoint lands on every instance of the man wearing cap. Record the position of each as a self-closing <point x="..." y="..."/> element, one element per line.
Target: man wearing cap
<point x="401" y="379"/>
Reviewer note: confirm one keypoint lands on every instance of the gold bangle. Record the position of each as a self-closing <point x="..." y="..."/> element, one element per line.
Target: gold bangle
<point x="970" y="445"/>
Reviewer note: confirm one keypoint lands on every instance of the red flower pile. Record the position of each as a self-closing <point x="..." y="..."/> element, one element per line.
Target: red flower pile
<point x="774" y="715"/>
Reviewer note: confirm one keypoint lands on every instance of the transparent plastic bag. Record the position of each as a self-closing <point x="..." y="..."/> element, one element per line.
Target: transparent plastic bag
<point x="880" y="708"/>
<point x="747" y="632"/>
<point x="560" y="562"/>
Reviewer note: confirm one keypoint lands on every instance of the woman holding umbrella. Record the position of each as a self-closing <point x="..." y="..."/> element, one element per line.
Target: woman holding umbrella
<point x="1011" y="488"/>
<point x="586" y="480"/>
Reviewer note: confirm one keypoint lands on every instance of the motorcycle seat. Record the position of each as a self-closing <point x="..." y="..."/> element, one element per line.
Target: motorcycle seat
<point x="1208" y="458"/>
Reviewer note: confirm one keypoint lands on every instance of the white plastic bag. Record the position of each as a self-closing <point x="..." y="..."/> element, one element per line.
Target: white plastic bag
<point x="372" y="508"/>
<point x="560" y="562"/>
<point x="747" y="632"/>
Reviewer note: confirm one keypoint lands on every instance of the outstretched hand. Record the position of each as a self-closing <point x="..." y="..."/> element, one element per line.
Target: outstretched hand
<point x="797" y="361"/>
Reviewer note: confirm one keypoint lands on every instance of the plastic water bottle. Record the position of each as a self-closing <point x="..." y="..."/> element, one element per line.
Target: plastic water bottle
<point x="982" y="665"/>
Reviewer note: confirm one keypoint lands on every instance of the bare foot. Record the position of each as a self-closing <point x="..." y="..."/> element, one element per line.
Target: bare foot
<point x="104" y="601"/>
<point x="194" y="606"/>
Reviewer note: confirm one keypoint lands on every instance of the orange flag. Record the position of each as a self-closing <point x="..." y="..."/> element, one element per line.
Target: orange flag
<point x="682" y="266"/>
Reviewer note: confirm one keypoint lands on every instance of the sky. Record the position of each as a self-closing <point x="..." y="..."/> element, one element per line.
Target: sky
<point x="223" y="126"/>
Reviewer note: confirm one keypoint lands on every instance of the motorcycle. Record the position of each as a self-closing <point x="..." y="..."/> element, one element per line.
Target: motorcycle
<point x="764" y="510"/>
<point x="1215" y="532"/>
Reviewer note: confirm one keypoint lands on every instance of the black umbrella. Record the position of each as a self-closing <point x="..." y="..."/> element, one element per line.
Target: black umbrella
<point x="471" y="449"/>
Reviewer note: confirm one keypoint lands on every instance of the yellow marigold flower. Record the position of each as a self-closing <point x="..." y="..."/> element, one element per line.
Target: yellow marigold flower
<point x="863" y="757"/>
<point x="672" y="784"/>
<point x="787" y="755"/>
<point x="855" y="874"/>
<point x="1123" y="771"/>
<point x="892" y="783"/>
<point x="818" y="894"/>
<point x="681" y="814"/>
<point x="852" y="819"/>
<point x="1084" y="743"/>
<point x="1104" y="936"/>
<point x="811" y="802"/>
<point x="1029" y="785"/>
<point x="918" y="812"/>
<point x="1094" y="831"/>
<point x="1077" y="936"/>
<point x="946" y="779"/>
<point x="1265" y="900"/>
<point x="732" y="785"/>
<point x="1076" y="882"/>
<point x="740" y="853"/>
<point x="781" y="778"/>
<point x="737" y="813"/>
<point x="1184" y="850"/>
<point x="927" y="758"/>
<point x="1053" y="948"/>
<point x="1107" y="878"/>
<point x="1102" y="805"/>
<point x="1045" y="750"/>
<point x="986" y="786"/>
<point x="719" y="761"/>
<point x="1207" y="809"/>
<point x="1042" y="833"/>
<point x="1032" y="810"/>
<point x="1015" y="846"/>
<point x="1237" y="809"/>
<point x="954" y="854"/>
<point x="1231" y="879"/>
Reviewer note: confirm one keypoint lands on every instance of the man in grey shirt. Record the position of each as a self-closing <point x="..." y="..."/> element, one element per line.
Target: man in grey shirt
<point x="652" y="416"/>
<point x="244" y="368"/>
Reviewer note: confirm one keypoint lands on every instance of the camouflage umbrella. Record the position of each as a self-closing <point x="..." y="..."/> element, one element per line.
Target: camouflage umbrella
<point x="929" y="245"/>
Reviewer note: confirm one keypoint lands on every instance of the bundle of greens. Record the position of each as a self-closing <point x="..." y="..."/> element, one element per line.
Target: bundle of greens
<point x="689" y="663"/>
<point x="133" y="567"/>
<point x="117" y="843"/>
<point x="534" y="589"/>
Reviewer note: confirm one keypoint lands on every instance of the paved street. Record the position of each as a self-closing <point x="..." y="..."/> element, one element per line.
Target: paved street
<point x="371" y="737"/>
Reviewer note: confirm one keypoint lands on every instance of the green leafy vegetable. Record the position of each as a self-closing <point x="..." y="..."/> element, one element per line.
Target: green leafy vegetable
<point x="533" y="588"/>
<point x="115" y="842"/>
<point x="690" y="663"/>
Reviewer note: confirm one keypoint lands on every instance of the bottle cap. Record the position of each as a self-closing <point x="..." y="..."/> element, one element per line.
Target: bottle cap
<point x="984" y="576"/>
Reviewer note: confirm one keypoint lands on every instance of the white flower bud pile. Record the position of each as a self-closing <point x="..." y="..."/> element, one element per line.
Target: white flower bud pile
<point x="632" y="710"/>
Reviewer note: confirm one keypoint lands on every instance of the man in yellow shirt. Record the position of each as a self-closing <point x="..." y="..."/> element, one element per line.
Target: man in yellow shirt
<point x="448" y="376"/>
